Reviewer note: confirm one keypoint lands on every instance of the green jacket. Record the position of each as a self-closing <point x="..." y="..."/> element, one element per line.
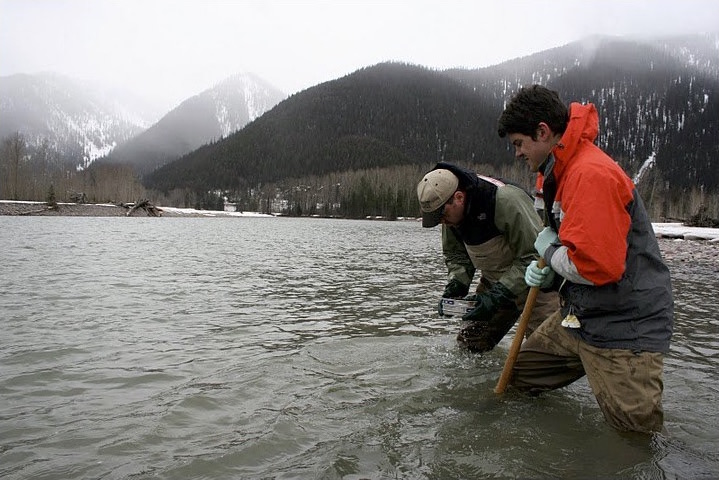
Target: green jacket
<point x="497" y="235"/>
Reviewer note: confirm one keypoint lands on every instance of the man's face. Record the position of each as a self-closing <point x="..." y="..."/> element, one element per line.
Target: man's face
<point x="454" y="210"/>
<point x="531" y="150"/>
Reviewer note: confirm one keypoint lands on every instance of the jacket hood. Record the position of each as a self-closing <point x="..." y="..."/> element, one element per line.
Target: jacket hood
<point x="583" y="126"/>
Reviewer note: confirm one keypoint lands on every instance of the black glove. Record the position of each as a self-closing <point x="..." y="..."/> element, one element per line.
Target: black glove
<point x="489" y="301"/>
<point x="454" y="289"/>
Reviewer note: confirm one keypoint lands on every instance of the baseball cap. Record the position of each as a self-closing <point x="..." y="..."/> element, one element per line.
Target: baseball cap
<point x="433" y="191"/>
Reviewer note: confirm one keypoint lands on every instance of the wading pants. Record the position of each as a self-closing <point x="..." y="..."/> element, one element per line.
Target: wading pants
<point x="628" y="386"/>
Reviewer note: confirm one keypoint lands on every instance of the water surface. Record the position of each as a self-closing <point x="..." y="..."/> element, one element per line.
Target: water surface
<point x="297" y="348"/>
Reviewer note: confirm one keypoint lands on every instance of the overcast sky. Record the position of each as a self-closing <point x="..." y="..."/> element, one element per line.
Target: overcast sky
<point x="173" y="49"/>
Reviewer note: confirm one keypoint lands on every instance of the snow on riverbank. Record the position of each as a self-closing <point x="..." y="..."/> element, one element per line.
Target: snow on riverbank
<point x="212" y="213"/>
<point x="678" y="230"/>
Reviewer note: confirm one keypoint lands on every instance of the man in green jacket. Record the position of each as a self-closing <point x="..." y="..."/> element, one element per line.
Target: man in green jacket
<point x="487" y="226"/>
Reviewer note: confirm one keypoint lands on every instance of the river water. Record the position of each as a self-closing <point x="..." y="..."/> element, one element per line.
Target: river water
<point x="213" y="348"/>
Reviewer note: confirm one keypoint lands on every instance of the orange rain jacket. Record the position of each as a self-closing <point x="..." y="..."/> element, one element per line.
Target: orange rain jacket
<point x="607" y="236"/>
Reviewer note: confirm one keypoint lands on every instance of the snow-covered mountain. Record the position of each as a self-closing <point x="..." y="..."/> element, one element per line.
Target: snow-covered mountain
<point x="72" y="118"/>
<point x="204" y="118"/>
<point x="82" y="123"/>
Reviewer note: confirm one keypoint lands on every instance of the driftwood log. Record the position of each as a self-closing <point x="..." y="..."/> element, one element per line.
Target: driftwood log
<point x="33" y="212"/>
<point x="145" y="205"/>
<point x="77" y="197"/>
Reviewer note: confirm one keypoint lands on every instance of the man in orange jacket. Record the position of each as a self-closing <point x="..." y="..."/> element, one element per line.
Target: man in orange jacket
<point x="616" y="318"/>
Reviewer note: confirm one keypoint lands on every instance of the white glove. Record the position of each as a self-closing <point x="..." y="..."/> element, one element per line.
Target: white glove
<point x="538" y="277"/>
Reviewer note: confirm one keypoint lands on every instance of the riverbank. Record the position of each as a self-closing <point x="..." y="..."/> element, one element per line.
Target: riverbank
<point x="671" y="231"/>
<point x="14" y="208"/>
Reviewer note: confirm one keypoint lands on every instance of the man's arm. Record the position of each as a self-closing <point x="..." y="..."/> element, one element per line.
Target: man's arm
<point x="519" y="222"/>
<point x="459" y="265"/>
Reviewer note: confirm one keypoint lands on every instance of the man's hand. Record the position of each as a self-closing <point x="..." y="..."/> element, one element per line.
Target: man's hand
<point x="488" y="302"/>
<point x="545" y="238"/>
<point x="454" y="289"/>
<point x="538" y="277"/>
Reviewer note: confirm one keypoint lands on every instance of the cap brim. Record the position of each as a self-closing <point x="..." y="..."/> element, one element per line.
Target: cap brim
<point x="432" y="219"/>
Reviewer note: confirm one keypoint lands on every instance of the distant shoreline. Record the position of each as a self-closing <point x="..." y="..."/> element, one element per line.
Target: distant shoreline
<point x="26" y="208"/>
<point x="29" y="208"/>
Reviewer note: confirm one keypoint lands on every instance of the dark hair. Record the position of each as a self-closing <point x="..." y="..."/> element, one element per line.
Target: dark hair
<point x="529" y="107"/>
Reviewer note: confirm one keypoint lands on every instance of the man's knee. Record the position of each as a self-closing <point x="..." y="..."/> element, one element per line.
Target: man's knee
<point x="643" y="415"/>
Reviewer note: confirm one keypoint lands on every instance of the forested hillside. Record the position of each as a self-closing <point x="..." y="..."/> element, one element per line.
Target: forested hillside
<point x="659" y="114"/>
<point x="650" y="102"/>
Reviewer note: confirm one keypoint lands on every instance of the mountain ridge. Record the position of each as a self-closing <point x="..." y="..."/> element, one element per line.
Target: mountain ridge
<point x="203" y="118"/>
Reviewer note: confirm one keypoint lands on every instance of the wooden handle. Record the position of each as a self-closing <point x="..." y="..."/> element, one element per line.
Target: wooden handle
<point x="518" y="336"/>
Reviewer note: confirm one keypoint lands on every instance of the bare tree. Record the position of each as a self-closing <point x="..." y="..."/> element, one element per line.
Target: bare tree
<point x="12" y="152"/>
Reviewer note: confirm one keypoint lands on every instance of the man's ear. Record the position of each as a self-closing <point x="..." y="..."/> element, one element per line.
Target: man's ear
<point x="543" y="131"/>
